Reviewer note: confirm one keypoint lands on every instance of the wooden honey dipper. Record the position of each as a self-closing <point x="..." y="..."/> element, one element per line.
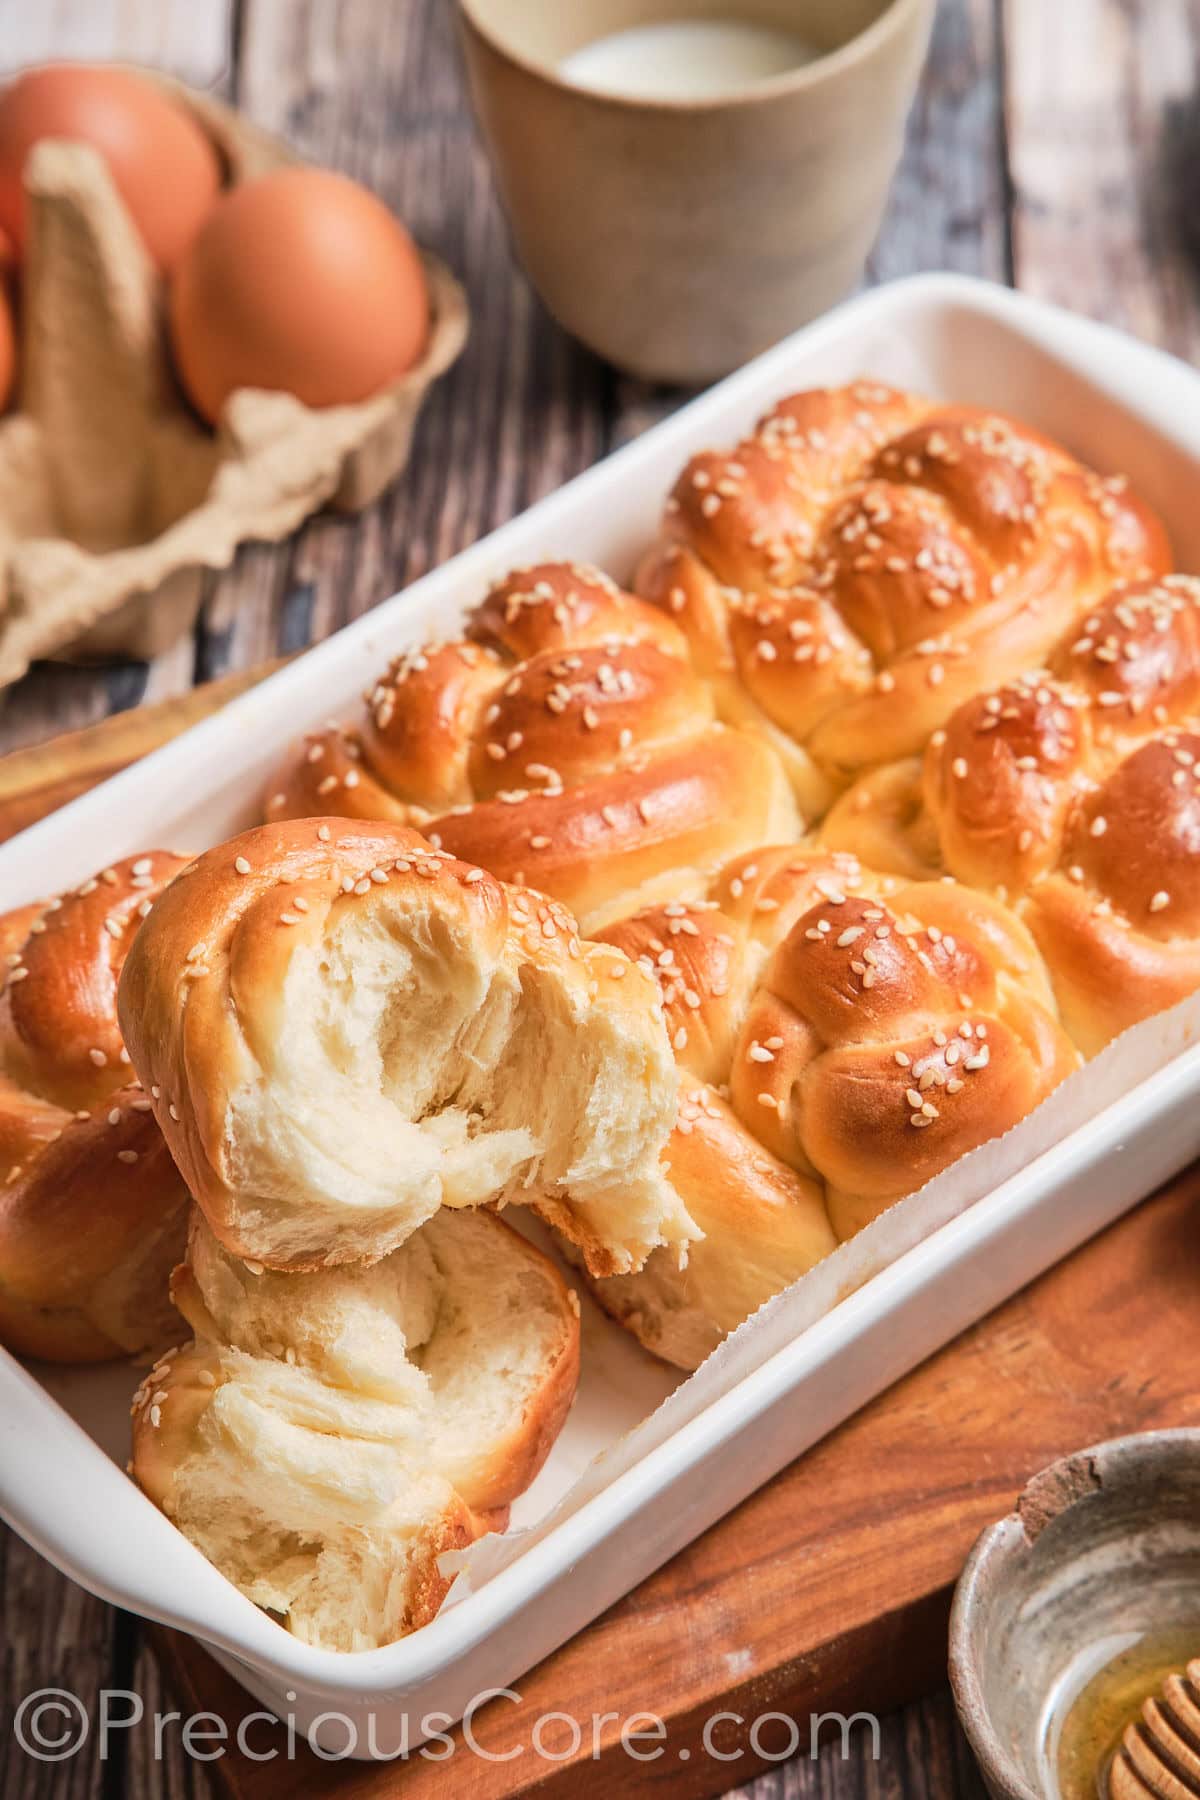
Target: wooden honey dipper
<point x="1159" y="1753"/>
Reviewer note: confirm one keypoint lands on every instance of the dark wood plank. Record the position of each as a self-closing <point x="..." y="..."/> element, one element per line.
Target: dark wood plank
<point x="948" y="204"/>
<point x="1103" y="130"/>
<point x="37" y="780"/>
<point x="52" y="1635"/>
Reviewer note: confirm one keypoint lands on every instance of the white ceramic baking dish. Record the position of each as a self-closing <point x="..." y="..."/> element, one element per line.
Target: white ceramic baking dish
<point x="63" y="1433"/>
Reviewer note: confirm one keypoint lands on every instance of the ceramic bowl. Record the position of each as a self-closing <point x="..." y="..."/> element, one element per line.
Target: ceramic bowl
<point x="1102" y="1552"/>
<point x="678" y="238"/>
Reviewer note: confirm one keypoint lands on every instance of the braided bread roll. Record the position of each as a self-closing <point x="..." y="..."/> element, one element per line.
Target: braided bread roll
<point x="868" y="1034"/>
<point x="565" y="743"/>
<point x="1073" y="793"/>
<point x="325" y="1437"/>
<point x="344" y="1029"/>
<point x="92" y="1208"/>
<point x="844" y="573"/>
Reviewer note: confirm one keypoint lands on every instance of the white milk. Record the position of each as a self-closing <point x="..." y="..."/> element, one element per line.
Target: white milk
<point x="687" y="59"/>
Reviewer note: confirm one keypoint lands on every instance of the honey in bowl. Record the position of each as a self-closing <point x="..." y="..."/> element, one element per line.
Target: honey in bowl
<point x="1086" y="1722"/>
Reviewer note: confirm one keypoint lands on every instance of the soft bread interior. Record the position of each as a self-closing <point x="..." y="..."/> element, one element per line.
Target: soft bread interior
<point x="409" y="1066"/>
<point x="327" y="1435"/>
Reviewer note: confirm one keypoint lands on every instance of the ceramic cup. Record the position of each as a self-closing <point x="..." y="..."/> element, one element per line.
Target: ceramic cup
<point x="680" y="237"/>
<point x="1102" y="1551"/>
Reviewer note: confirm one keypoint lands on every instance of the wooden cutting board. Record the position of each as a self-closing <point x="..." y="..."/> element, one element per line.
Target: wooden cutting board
<point x="826" y="1591"/>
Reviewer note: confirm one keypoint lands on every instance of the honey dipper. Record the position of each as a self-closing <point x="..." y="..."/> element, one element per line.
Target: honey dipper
<point x="1159" y="1753"/>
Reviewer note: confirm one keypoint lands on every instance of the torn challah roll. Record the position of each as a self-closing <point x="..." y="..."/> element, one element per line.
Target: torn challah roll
<point x="343" y="1029"/>
<point x="326" y="1436"/>
<point x="92" y="1208"/>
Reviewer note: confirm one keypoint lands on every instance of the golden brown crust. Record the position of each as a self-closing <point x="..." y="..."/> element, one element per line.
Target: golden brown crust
<point x="1072" y="793"/>
<point x="869" y="1004"/>
<point x="91" y="1205"/>
<point x="568" y="712"/>
<point x="670" y="820"/>
<point x="902" y="543"/>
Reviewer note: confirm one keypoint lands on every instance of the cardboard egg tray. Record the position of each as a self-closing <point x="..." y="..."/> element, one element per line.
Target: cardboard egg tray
<point x="114" y="498"/>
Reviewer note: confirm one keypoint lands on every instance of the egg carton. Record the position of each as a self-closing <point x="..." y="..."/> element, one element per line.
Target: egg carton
<point x="115" y="500"/>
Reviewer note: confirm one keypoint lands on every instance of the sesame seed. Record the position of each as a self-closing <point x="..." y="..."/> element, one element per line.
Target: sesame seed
<point x="242" y="866"/>
<point x="127" y="1156"/>
<point x="99" y="1058"/>
<point x="1159" y="901"/>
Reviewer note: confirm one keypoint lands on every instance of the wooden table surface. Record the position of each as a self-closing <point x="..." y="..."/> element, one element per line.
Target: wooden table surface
<point x="1053" y="145"/>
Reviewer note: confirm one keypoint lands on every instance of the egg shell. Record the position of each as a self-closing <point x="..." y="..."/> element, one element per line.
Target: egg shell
<point x="300" y="281"/>
<point x="8" y="348"/>
<point x="163" y="164"/>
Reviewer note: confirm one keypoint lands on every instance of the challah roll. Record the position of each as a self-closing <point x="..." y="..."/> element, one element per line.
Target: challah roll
<point x="867" y="1033"/>
<point x="845" y="572"/>
<point x="565" y="743"/>
<point x="343" y="1029"/>
<point x="1072" y="792"/>
<point x="326" y="1436"/>
<point x="92" y="1208"/>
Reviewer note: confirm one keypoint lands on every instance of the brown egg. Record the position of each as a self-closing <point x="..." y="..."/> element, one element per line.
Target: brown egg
<point x="164" y="166"/>
<point x="8" y="348"/>
<point x="301" y="281"/>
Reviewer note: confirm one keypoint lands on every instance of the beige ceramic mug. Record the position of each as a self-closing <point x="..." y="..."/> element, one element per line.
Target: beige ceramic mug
<point x="679" y="237"/>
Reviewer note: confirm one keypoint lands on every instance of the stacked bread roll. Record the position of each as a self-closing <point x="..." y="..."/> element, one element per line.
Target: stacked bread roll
<point x="354" y="1042"/>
